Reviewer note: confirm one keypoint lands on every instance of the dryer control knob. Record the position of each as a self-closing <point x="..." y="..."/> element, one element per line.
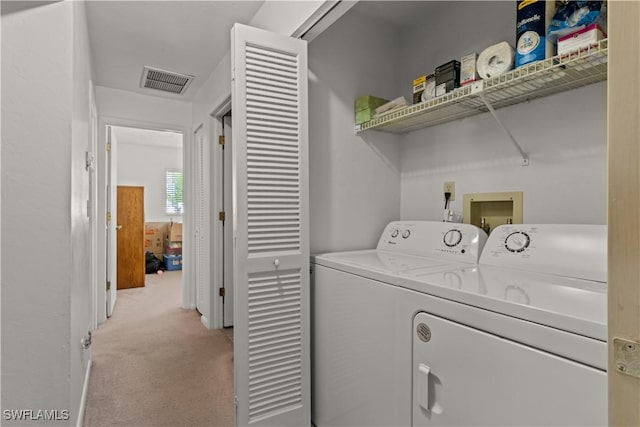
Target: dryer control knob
<point x="406" y="234"/>
<point x="394" y="233"/>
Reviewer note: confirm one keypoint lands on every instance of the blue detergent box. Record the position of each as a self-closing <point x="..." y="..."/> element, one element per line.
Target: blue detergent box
<point x="533" y="18"/>
<point x="173" y="262"/>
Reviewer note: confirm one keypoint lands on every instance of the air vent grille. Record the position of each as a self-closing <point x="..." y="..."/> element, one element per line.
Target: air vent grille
<point x="166" y="81"/>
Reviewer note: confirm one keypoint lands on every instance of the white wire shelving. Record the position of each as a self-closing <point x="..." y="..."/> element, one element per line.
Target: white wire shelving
<point x="543" y="78"/>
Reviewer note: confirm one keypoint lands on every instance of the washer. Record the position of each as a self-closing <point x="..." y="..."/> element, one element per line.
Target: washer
<point x="355" y="357"/>
<point x="519" y="339"/>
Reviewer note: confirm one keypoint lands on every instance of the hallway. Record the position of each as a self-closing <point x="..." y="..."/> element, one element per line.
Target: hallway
<point x="155" y="364"/>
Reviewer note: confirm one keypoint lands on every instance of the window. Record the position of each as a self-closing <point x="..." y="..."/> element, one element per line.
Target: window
<point x="174" y="204"/>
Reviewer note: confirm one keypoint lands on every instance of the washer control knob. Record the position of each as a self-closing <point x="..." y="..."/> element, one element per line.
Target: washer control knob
<point x="395" y="232"/>
<point x="517" y="241"/>
<point x="406" y="234"/>
<point x="452" y="237"/>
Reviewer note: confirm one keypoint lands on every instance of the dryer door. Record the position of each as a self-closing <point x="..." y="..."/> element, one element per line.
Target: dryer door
<point x="464" y="376"/>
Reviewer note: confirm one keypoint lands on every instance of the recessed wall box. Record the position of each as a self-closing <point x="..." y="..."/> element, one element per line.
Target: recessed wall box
<point x="495" y="208"/>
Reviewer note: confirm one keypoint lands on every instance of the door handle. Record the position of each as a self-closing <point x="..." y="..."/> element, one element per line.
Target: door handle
<point x="423" y="386"/>
<point x="118" y="227"/>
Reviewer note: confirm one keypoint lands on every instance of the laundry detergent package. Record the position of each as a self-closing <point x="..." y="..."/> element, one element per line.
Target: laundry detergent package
<point x="533" y="18"/>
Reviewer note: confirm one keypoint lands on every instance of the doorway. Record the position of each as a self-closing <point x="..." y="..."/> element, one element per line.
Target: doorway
<point x="222" y="292"/>
<point x="227" y="224"/>
<point x="151" y="161"/>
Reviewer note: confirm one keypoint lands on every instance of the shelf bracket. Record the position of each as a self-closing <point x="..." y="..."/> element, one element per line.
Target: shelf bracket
<point x="525" y="156"/>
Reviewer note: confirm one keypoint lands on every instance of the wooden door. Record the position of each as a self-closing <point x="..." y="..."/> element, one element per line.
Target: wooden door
<point x="130" y="245"/>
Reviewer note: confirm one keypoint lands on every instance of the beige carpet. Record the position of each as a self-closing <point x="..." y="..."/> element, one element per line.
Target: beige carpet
<point x="155" y="364"/>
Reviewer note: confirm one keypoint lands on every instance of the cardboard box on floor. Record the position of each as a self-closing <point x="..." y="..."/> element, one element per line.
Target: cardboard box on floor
<point x="175" y="232"/>
<point x="154" y="235"/>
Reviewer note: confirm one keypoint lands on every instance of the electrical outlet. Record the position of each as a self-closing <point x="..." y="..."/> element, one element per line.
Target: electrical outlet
<point x="450" y="187"/>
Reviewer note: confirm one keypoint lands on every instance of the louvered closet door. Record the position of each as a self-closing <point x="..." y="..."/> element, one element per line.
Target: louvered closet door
<point x="270" y="208"/>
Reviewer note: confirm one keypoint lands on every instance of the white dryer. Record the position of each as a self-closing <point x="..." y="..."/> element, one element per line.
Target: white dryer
<point x="354" y="319"/>
<point x="519" y="339"/>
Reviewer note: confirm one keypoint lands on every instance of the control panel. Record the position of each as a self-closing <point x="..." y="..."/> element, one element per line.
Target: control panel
<point x="441" y="240"/>
<point x="569" y="250"/>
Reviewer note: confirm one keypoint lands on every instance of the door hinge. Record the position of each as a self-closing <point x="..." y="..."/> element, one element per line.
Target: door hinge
<point x="108" y="216"/>
<point x="108" y="285"/>
<point x="108" y="146"/>
<point x="626" y="357"/>
<point x="222" y="216"/>
<point x="221" y="292"/>
<point x="221" y="140"/>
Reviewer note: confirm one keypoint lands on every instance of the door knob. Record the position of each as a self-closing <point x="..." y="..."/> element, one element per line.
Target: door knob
<point x="118" y="227"/>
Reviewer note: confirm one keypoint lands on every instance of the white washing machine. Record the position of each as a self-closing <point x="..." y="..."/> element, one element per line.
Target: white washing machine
<point x="519" y="339"/>
<point x="355" y="360"/>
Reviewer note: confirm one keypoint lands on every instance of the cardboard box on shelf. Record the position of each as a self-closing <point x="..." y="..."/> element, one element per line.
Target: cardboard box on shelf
<point x="447" y="77"/>
<point x="419" y="84"/>
<point x="365" y="107"/>
<point x="581" y="39"/>
<point x="368" y="102"/>
<point x="154" y="235"/>
<point x="175" y="232"/>
<point x="468" y="71"/>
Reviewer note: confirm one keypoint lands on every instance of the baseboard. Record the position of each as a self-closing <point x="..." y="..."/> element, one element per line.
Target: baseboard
<point x="205" y="322"/>
<point x="83" y="398"/>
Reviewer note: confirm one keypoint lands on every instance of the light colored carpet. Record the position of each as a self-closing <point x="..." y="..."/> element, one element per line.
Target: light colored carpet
<point x="155" y="364"/>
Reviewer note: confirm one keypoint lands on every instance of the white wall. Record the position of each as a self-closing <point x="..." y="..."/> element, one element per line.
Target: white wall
<point x="448" y="30"/>
<point x="45" y="234"/>
<point x="130" y="106"/>
<point x="145" y="165"/>
<point x="565" y="134"/>
<point x="354" y="180"/>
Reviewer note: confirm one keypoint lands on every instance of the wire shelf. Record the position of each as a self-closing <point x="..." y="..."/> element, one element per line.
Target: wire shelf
<point x="543" y="78"/>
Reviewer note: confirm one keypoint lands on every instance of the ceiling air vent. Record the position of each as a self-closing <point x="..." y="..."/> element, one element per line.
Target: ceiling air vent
<point x="166" y="81"/>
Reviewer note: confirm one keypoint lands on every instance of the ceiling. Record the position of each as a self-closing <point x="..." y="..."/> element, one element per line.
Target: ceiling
<point x="189" y="37"/>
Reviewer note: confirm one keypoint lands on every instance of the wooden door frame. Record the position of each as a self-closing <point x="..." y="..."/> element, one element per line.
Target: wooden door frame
<point x="623" y="143"/>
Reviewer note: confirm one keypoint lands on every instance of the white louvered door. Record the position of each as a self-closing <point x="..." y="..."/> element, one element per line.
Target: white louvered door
<point x="270" y="209"/>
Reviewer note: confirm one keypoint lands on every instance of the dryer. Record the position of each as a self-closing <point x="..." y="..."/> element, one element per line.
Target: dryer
<point x="354" y="319"/>
<point x="519" y="339"/>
